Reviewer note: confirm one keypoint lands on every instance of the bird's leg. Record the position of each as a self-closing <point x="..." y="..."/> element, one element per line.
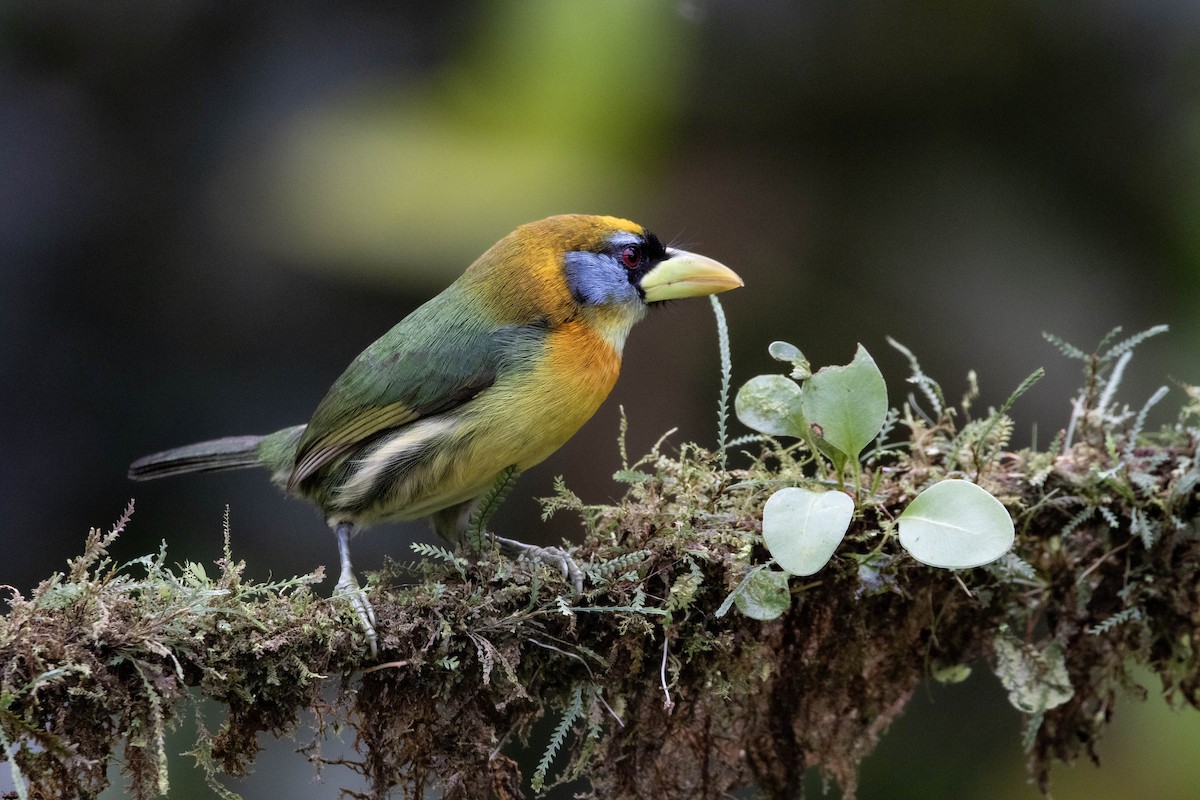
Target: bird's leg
<point x="467" y="521"/>
<point x="348" y="585"/>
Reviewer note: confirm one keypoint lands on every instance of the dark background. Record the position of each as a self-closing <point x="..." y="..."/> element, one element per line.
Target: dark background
<point x="208" y="208"/>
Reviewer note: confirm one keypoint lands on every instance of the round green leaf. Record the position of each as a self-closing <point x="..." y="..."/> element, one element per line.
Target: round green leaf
<point x="956" y="525"/>
<point x="846" y="406"/>
<point x="770" y="404"/>
<point x="802" y="528"/>
<point x="764" y="595"/>
<point x="951" y="673"/>
<point x="782" y="351"/>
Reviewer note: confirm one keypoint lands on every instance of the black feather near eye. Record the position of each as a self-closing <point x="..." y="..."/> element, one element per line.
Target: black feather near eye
<point x="653" y="250"/>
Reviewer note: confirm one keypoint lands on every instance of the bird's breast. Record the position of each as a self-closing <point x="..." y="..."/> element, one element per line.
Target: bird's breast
<point x="540" y="404"/>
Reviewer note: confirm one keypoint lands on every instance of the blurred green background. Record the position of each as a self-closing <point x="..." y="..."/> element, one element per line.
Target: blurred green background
<point x="208" y="208"/>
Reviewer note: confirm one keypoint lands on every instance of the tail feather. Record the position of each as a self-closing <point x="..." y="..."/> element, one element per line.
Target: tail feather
<point x="232" y="452"/>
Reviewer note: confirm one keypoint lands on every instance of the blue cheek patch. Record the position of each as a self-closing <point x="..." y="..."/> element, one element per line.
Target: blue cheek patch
<point x="596" y="279"/>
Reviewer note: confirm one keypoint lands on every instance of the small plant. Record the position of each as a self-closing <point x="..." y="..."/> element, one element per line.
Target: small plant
<point x="836" y="413"/>
<point x="653" y="689"/>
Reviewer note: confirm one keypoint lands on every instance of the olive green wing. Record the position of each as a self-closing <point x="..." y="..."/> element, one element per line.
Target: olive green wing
<point x="425" y="365"/>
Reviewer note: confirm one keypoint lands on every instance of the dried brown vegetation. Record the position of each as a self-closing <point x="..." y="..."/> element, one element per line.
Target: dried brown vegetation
<point x="655" y="693"/>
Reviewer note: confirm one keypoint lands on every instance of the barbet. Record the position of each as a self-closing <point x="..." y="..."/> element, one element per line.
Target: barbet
<point x="496" y="372"/>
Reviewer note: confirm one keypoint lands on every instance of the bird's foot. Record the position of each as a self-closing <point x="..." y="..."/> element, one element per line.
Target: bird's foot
<point x="554" y="556"/>
<point x="366" y="612"/>
<point x="347" y="585"/>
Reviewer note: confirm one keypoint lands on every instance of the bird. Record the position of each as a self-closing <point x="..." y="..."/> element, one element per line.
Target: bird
<point x="492" y="375"/>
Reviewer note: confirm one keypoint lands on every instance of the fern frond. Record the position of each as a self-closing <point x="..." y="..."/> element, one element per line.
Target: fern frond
<point x="618" y="565"/>
<point x="746" y="439"/>
<point x="427" y="550"/>
<point x="563" y="500"/>
<point x="573" y="711"/>
<point x="490" y="503"/>
<point x="1139" y="422"/>
<point x="881" y="447"/>
<point x="622" y="431"/>
<point x="1143" y="527"/>
<point x="1113" y="381"/>
<point x="1120" y="618"/>
<point x="1130" y="343"/>
<point x="1107" y="339"/>
<point x="96" y="548"/>
<point x="1066" y="348"/>
<point x="1083" y="516"/>
<point x="726" y="378"/>
<point x="1021" y="567"/>
<point x="985" y="443"/>
<point x="928" y="386"/>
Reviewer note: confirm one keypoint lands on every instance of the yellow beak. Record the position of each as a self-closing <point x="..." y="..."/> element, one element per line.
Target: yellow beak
<point x="684" y="274"/>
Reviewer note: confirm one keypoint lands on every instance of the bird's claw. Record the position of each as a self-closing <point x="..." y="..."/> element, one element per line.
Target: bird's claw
<point x="554" y="556"/>
<point x="362" y="606"/>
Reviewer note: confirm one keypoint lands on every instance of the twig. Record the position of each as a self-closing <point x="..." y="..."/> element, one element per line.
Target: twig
<point x="668" y="704"/>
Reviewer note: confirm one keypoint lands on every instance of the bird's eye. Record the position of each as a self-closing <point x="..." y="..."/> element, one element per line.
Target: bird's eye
<point x="631" y="256"/>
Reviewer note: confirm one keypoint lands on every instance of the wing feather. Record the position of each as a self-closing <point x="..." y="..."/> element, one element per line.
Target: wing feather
<point x="429" y="363"/>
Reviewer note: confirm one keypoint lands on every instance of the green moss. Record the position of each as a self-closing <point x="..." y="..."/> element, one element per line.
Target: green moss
<point x="655" y="695"/>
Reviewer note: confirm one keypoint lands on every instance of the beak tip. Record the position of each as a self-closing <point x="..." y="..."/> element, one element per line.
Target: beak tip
<point x="688" y="275"/>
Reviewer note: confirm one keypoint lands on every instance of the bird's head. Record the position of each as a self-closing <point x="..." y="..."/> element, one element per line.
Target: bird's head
<point x="606" y="269"/>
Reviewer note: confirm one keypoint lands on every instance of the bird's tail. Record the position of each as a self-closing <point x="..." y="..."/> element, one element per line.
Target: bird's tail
<point x="232" y="452"/>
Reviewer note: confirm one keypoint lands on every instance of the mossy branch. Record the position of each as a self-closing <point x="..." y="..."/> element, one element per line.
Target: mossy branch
<point x="657" y="695"/>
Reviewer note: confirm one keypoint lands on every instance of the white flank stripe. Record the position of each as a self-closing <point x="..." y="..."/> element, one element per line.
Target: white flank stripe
<point x="405" y="440"/>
